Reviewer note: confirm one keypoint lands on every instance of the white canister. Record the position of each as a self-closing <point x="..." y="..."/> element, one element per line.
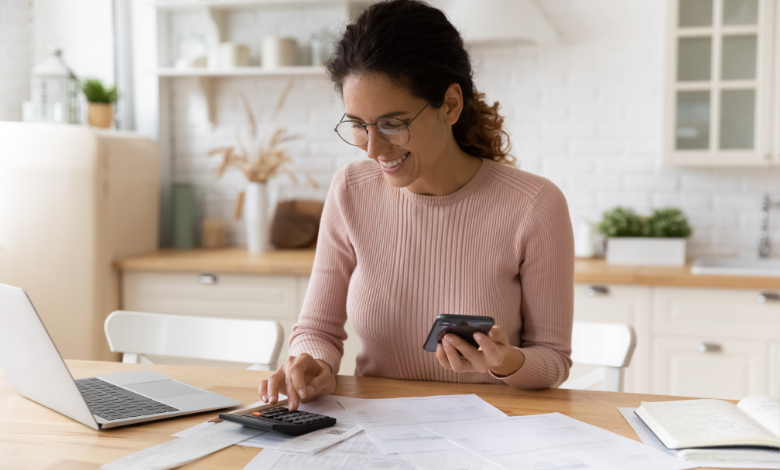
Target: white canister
<point x="232" y="55"/>
<point x="279" y="52"/>
<point x="584" y="238"/>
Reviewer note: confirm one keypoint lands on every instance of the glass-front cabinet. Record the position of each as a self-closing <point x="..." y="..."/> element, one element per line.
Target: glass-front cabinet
<point x="721" y="100"/>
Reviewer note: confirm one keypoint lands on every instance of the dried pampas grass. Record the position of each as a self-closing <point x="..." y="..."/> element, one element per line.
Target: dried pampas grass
<point x="258" y="162"/>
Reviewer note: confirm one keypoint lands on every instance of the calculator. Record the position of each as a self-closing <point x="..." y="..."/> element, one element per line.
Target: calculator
<point x="281" y="419"/>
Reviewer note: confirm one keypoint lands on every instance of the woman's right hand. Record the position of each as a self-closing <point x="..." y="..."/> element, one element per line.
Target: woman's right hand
<point x="301" y="378"/>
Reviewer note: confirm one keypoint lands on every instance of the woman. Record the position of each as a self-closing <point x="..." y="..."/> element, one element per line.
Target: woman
<point x="436" y="221"/>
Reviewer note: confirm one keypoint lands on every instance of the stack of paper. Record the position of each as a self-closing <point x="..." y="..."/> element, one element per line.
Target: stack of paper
<point x="451" y="432"/>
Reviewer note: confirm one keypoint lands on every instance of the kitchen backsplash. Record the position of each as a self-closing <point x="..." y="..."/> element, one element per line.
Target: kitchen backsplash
<point x="587" y="114"/>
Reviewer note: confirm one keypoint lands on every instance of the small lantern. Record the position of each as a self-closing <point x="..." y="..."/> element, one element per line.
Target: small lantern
<point x="54" y="91"/>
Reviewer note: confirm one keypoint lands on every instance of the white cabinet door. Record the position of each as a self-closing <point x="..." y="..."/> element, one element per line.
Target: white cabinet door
<point x="619" y="304"/>
<point x="709" y="368"/>
<point x="774" y="369"/>
<point x="719" y="82"/>
<point x="217" y="295"/>
<point x="716" y="313"/>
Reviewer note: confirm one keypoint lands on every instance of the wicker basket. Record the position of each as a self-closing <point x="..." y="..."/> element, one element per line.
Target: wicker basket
<point x="100" y="115"/>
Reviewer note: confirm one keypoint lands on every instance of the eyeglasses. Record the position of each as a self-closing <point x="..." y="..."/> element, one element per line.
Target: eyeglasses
<point x="392" y="129"/>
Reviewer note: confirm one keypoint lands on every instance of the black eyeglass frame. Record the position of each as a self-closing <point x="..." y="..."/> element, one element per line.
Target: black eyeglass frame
<point x="365" y="127"/>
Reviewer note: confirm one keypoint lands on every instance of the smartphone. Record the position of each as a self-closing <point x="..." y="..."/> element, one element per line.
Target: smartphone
<point x="462" y="325"/>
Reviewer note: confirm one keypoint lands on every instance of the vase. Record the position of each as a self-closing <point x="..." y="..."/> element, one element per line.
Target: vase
<point x="256" y="217"/>
<point x="183" y="202"/>
<point x="100" y="115"/>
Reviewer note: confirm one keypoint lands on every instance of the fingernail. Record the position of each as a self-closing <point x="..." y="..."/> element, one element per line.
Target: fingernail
<point x="447" y="339"/>
<point x="438" y="347"/>
<point x="301" y="393"/>
<point x="477" y="336"/>
<point x="490" y="334"/>
<point x="264" y="398"/>
<point x="310" y="390"/>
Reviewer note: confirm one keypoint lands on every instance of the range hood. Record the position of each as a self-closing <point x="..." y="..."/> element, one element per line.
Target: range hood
<point x="500" y="21"/>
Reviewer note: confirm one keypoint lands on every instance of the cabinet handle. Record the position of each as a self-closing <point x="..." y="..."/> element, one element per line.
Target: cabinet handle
<point x="709" y="348"/>
<point x="766" y="297"/>
<point x="594" y="291"/>
<point x="207" y="278"/>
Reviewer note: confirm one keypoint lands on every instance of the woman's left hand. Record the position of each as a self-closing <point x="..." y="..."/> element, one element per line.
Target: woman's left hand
<point x="495" y="354"/>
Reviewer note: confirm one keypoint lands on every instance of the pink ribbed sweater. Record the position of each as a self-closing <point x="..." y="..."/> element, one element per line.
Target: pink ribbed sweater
<point x="391" y="260"/>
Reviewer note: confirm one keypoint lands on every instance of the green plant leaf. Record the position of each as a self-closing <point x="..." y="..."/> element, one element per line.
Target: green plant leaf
<point x="669" y="222"/>
<point x="96" y="91"/>
<point x="621" y="222"/>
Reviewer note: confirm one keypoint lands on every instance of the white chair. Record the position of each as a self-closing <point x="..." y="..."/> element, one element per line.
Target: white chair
<point x="609" y="345"/>
<point x="137" y="334"/>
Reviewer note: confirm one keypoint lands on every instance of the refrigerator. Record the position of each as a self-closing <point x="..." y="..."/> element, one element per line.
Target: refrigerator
<point x="74" y="199"/>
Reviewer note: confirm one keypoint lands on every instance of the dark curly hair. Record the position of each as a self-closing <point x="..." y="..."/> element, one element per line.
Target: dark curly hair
<point x="416" y="45"/>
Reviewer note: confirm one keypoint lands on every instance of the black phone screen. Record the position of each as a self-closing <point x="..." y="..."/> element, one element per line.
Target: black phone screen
<point x="462" y="325"/>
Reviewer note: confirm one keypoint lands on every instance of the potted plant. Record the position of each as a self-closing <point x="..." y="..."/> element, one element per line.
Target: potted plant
<point x="100" y="112"/>
<point x="657" y="240"/>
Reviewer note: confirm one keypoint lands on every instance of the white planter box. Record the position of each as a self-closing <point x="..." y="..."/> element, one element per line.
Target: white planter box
<point x="646" y="251"/>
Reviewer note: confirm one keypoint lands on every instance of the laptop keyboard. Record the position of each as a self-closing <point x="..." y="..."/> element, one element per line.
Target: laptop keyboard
<point x="111" y="402"/>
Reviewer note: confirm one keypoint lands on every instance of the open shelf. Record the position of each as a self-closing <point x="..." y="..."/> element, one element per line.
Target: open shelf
<point x="310" y="70"/>
<point x="229" y="4"/>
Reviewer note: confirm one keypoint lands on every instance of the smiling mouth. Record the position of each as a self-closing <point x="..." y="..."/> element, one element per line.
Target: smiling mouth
<point x="394" y="163"/>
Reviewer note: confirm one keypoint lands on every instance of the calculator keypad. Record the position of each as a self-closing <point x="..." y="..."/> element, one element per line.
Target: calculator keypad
<point x="281" y="419"/>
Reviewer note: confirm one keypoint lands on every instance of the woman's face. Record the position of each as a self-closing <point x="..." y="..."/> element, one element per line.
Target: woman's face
<point x="371" y="96"/>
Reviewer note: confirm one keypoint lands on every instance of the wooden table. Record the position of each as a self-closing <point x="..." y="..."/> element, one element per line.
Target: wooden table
<point x="34" y="437"/>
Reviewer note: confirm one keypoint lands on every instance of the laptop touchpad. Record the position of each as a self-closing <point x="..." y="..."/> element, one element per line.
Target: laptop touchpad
<point x="164" y="389"/>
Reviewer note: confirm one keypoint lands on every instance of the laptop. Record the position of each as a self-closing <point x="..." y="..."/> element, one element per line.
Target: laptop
<point x="34" y="369"/>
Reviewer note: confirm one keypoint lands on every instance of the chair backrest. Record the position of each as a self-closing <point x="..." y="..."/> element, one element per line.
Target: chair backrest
<point x="219" y="339"/>
<point x="610" y="345"/>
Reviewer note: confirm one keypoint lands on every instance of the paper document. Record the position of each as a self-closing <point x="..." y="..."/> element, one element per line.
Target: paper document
<point x="649" y="439"/>
<point x="397" y="424"/>
<point x="357" y="452"/>
<point x="453" y="459"/>
<point x="185" y="449"/>
<point x="553" y="441"/>
<point x="194" y="429"/>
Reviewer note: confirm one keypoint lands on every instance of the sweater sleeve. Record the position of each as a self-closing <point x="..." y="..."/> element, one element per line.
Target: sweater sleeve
<point x="320" y="327"/>
<point x="547" y="286"/>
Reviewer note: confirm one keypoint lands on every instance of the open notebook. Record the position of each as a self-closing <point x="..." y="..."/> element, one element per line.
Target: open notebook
<point x="717" y="429"/>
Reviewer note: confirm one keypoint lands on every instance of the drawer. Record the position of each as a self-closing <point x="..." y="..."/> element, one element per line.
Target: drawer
<point x="709" y="368"/>
<point x="230" y="295"/>
<point x="618" y="304"/>
<point x="728" y="313"/>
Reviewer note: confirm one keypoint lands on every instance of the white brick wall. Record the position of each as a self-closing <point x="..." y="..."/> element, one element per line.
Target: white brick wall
<point x="586" y="114"/>
<point x="14" y="53"/>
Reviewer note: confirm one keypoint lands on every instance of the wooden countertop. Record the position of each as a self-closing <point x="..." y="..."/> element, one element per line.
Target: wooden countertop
<point x="299" y="262"/>
<point x="35" y="437"/>
<point x="227" y="260"/>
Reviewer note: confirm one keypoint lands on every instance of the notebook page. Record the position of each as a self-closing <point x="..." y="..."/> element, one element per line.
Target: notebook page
<point x="765" y="409"/>
<point x="695" y="423"/>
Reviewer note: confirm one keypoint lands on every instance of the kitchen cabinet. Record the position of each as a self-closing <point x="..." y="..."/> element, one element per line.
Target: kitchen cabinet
<point x="703" y="366"/>
<point x="264" y="297"/>
<point x="618" y="304"/>
<point x="697" y="335"/>
<point x="722" y="343"/>
<point x="774" y="369"/>
<point x="721" y="101"/>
